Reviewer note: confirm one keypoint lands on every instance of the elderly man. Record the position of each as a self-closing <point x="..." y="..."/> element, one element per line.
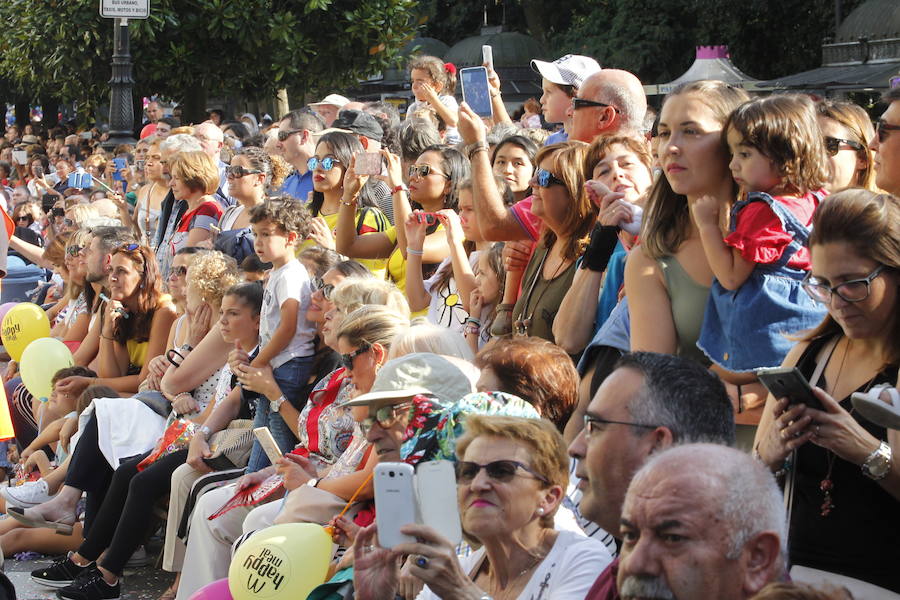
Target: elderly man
<point x="701" y="521"/>
<point x="297" y="143"/>
<point x="211" y="141"/>
<point x="329" y="107"/>
<point x="609" y="102"/>
<point x="886" y="145"/>
<point x="648" y="403"/>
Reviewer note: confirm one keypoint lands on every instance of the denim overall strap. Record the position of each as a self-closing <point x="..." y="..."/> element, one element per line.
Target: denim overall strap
<point x="789" y="223"/>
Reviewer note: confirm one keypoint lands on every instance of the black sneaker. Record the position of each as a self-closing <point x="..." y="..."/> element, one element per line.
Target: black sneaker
<point x="90" y="586"/>
<point x="60" y="574"/>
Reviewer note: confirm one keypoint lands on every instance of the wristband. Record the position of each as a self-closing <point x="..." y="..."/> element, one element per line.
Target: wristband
<point x="399" y="188"/>
<point x="204" y="430"/>
<point x="599" y="250"/>
<point x="473" y="320"/>
<point x="414" y="252"/>
<point x="186" y="347"/>
<point x="474" y="147"/>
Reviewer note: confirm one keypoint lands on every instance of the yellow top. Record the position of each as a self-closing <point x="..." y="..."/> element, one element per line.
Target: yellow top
<point x="137" y="352"/>
<point x="396" y="266"/>
<point x="374" y="222"/>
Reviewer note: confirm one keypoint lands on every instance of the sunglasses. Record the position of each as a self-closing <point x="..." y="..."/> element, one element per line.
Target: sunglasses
<point x="855" y="290"/>
<point x="28" y="218"/>
<point x="833" y="145"/>
<point x="583" y="103"/>
<point x="545" y="178"/>
<point x="327" y="163"/>
<point x="238" y="171"/>
<point x="594" y="424"/>
<point x="499" y="470"/>
<point x="347" y="359"/>
<point x="283" y="135"/>
<point x="179" y="271"/>
<point x="424" y="171"/>
<point x="883" y="129"/>
<point x="74" y="250"/>
<point x="384" y="416"/>
<point x="325" y="288"/>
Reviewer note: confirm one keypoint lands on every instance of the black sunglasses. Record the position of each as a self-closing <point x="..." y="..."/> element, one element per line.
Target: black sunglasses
<point x="584" y="103"/>
<point x="283" y="135"/>
<point x="347" y="359"/>
<point x="594" y="424"/>
<point x="883" y="129"/>
<point x="238" y="171"/>
<point x="833" y="145"/>
<point x="424" y="171"/>
<point x="545" y="178"/>
<point x="179" y="271"/>
<point x="325" y="288"/>
<point x="498" y="470"/>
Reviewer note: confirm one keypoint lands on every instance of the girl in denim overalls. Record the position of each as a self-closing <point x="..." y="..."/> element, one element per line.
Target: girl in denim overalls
<point x="756" y="300"/>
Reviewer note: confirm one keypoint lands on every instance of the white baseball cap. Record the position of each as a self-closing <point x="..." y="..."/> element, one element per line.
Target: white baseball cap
<point x="332" y="99"/>
<point x="571" y="69"/>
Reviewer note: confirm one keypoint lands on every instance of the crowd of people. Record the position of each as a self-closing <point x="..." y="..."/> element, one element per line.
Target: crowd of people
<point x="576" y="320"/>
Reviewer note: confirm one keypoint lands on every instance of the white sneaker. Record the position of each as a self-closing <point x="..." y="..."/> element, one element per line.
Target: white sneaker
<point x="30" y="493"/>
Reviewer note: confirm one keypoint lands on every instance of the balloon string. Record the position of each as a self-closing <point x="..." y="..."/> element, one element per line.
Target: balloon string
<point x="329" y="528"/>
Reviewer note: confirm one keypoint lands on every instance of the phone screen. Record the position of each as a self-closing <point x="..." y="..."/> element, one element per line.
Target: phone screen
<point x="475" y="90"/>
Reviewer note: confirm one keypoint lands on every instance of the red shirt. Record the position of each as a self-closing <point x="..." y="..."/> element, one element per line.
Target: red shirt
<point x="532" y="225"/>
<point x="759" y="236"/>
<point x="605" y="586"/>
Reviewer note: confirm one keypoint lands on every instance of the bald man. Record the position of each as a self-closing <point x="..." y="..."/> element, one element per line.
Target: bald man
<point x="211" y="141"/>
<point x="610" y="102"/>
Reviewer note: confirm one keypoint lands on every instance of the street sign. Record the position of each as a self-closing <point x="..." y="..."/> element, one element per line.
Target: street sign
<point x="125" y="9"/>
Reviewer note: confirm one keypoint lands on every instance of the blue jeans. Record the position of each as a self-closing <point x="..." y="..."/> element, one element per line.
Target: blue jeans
<point x="291" y="378"/>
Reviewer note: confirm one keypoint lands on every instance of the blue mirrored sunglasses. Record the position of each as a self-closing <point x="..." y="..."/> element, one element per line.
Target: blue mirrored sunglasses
<point x="327" y="163"/>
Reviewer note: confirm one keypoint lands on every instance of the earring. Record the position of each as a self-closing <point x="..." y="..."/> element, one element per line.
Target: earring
<point x="541" y="510"/>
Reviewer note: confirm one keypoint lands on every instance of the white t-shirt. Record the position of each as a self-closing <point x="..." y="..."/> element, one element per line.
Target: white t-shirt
<point x="446" y="306"/>
<point x="285" y="283"/>
<point x="566" y="573"/>
<point x="451" y="136"/>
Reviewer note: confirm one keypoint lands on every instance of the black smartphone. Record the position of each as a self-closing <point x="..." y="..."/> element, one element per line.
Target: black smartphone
<point x="57" y="211"/>
<point x="789" y="382"/>
<point x="476" y="91"/>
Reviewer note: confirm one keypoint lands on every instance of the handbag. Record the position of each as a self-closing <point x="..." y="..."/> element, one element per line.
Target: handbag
<point x="231" y="447"/>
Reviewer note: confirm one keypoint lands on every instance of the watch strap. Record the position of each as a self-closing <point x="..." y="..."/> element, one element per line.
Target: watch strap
<point x="878" y="464"/>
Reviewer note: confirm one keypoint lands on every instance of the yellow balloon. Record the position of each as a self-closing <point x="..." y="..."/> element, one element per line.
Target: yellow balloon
<point x="282" y="562"/>
<point x="40" y="361"/>
<point x="23" y="324"/>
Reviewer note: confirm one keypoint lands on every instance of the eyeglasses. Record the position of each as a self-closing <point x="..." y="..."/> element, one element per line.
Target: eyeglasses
<point x="545" y="178"/>
<point x="74" y="250"/>
<point x="498" y="470"/>
<point x="238" y="171"/>
<point x="327" y="163"/>
<point x="424" y="171"/>
<point x="384" y="416"/>
<point x="833" y="145"/>
<point x="347" y="359"/>
<point x="179" y="271"/>
<point x="325" y="288"/>
<point x="583" y="103"/>
<point x="283" y="135"/>
<point x="594" y="424"/>
<point x="884" y="129"/>
<point x="855" y="290"/>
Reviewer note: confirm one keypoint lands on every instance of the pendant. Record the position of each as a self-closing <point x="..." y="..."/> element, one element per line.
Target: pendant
<point x="827" y="505"/>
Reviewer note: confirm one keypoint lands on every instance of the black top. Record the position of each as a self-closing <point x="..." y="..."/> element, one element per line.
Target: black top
<point x="859" y="536"/>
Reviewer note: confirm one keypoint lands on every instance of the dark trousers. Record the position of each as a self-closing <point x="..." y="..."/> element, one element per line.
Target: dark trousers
<point x="124" y="516"/>
<point x="89" y="471"/>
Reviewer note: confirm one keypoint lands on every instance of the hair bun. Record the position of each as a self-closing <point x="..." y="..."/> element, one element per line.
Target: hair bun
<point x="450" y="68"/>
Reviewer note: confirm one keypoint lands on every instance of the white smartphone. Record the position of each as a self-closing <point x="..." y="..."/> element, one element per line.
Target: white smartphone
<point x="268" y="443"/>
<point x="487" y="55"/>
<point x="20" y="157"/>
<point x="436" y="487"/>
<point x="395" y="502"/>
<point x="475" y="90"/>
<point x="368" y="163"/>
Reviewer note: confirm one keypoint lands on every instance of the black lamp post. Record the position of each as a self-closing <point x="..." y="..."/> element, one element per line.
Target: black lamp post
<point x="121" y="108"/>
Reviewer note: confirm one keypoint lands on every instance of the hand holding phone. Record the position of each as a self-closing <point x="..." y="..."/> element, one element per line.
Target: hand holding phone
<point x="429" y="218"/>
<point x="395" y="502"/>
<point x="789" y="382"/>
<point x="476" y="90"/>
<point x="436" y="487"/>
<point x="487" y="56"/>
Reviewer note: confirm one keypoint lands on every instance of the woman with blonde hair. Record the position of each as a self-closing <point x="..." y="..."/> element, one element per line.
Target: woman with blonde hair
<point x="847" y="130"/>
<point x="150" y="196"/>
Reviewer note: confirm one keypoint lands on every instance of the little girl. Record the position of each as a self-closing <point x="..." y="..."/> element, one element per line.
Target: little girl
<point x="756" y="299"/>
<point x="490" y="278"/>
<point x="433" y="84"/>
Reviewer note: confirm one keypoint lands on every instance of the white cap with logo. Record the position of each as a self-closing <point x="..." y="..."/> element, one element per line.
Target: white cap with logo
<point x="571" y="69"/>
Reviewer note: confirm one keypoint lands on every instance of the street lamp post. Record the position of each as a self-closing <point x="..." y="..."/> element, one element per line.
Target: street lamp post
<point x="121" y="108"/>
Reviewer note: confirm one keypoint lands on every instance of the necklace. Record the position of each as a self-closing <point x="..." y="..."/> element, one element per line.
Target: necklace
<point x="535" y="561"/>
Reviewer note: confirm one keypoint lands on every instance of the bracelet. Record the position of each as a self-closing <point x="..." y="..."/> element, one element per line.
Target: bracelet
<point x="352" y="202"/>
<point x="474" y="147"/>
<point x="180" y="394"/>
<point x="472" y="329"/>
<point x="399" y="188"/>
<point x="473" y="320"/>
<point x="170" y="357"/>
<point x="203" y="429"/>
<point x="106" y="337"/>
<point x="414" y="252"/>
<point x="186" y="347"/>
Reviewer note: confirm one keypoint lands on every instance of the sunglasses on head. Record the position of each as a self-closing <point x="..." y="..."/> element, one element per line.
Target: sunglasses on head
<point x="883" y="129"/>
<point x="283" y="135"/>
<point x="424" y="171"/>
<point x="325" y="288"/>
<point x="327" y="163"/>
<point x="384" y="416"/>
<point x="128" y="248"/>
<point x="545" y="178"/>
<point x="347" y="359"/>
<point x="833" y="145"/>
<point x="238" y="171"/>
<point x="499" y="470"/>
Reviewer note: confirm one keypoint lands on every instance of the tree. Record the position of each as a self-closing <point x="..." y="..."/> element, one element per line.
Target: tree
<point x="188" y="48"/>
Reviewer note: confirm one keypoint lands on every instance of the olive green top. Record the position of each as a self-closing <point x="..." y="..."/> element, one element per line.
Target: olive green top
<point x="539" y="300"/>
<point x="688" y="300"/>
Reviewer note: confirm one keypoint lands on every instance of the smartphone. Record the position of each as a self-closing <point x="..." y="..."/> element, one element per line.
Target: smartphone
<point x="86" y="135"/>
<point x="81" y="181"/>
<point x="475" y="90"/>
<point x="789" y="382"/>
<point x="118" y="165"/>
<point x="395" y="502"/>
<point x="20" y="157"/>
<point x="268" y="443"/>
<point x="436" y="488"/>
<point x="429" y="218"/>
<point x="368" y="163"/>
<point x="38" y="171"/>
<point x="487" y="55"/>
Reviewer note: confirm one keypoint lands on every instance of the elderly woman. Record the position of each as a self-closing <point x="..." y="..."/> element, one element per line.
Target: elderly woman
<point x="845" y="485"/>
<point x="511" y="475"/>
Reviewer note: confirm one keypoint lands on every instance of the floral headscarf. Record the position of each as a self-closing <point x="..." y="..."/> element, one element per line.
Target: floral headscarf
<point x="433" y="428"/>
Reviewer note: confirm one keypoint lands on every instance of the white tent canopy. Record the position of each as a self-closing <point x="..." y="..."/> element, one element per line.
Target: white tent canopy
<point x="711" y="62"/>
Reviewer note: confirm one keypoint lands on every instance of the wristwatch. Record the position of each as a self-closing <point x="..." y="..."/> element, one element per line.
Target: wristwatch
<point x="275" y="405"/>
<point x="878" y="464"/>
<point x="314" y="482"/>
